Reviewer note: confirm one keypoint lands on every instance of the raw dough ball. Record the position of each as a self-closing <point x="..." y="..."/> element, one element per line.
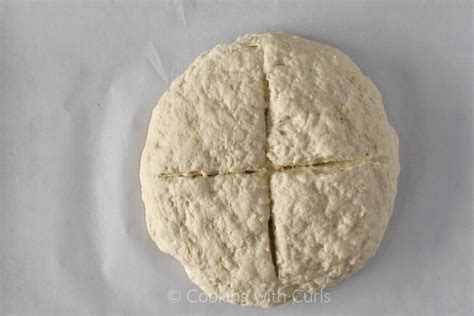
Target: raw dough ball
<point x="270" y="169"/>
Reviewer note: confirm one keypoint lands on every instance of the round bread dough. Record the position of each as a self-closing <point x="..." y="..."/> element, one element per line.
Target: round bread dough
<point x="270" y="169"/>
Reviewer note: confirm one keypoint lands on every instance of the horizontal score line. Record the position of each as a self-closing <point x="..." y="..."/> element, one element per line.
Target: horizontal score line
<point x="334" y="164"/>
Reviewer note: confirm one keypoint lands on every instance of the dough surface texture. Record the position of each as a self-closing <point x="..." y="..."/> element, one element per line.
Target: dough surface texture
<point x="270" y="169"/>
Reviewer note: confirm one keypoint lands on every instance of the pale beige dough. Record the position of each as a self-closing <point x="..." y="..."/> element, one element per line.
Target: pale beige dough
<point x="269" y="167"/>
<point x="328" y="221"/>
<point x="211" y="119"/>
<point x="323" y="108"/>
<point x="218" y="228"/>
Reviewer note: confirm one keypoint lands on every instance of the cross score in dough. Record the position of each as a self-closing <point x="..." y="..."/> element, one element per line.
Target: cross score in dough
<point x="269" y="167"/>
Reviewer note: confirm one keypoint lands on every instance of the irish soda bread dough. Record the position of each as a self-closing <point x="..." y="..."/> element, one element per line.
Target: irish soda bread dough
<point x="270" y="169"/>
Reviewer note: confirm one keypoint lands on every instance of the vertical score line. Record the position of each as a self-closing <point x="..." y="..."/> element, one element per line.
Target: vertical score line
<point x="269" y="167"/>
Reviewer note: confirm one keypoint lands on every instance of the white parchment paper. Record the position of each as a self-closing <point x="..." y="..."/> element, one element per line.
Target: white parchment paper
<point x="78" y="81"/>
